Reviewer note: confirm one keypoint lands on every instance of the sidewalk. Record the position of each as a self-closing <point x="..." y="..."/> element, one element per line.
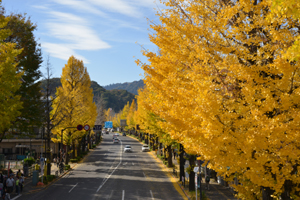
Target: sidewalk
<point x="29" y="188"/>
<point x="215" y="192"/>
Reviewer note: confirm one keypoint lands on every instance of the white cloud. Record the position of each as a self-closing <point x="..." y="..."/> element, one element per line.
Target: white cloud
<point x="67" y="17"/>
<point x="62" y="51"/>
<point x="79" y="36"/>
<point x="81" y="6"/>
<point x="119" y="6"/>
<point x="74" y="33"/>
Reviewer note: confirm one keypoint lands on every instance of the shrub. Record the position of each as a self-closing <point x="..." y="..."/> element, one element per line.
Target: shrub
<point x="74" y="160"/>
<point x="93" y="146"/>
<point x="67" y="167"/>
<point x="50" y="177"/>
<point x="30" y="161"/>
<point x="45" y="181"/>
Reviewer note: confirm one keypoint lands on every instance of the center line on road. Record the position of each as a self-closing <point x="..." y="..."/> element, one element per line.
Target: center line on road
<point x="105" y="179"/>
<point x="16" y="197"/>
<point x="123" y="194"/>
<point x="73" y="187"/>
<point x="151" y="195"/>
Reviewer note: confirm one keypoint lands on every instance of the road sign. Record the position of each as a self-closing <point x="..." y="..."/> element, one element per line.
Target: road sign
<point x="97" y="128"/>
<point x="79" y="127"/>
<point x="108" y="124"/>
<point x="123" y="122"/>
<point x="196" y="169"/>
<point x="86" y="127"/>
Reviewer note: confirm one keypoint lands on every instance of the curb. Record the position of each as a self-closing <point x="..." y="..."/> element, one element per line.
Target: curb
<point x="60" y="176"/>
<point x="155" y="157"/>
<point x="49" y="184"/>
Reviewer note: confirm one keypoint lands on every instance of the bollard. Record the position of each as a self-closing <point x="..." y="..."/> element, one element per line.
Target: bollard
<point x="35" y="178"/>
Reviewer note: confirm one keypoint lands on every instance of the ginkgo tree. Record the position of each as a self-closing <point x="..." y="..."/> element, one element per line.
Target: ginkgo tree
<point x="74" y="103"/>
<point x="10" y="79"/>
<point x="226" y="91"/>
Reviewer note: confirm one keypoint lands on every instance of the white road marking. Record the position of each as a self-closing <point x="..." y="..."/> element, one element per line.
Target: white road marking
<point x="16" y="197"/>
<point x="104" y="154"/>
<point x="125" y="163"/>
<point x="144" y="174"/>
<point x="123" y="194"/>
<point x="151" y="195"/>
<point x="132" y="163"/>
<point x="104" y="180"/>
<point x="73" y="187"/>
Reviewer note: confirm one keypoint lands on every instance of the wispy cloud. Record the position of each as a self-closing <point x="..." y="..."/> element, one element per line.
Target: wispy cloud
<point x="62" y="51"/>
<point x="119" y="6"/>
<point x="81" y="6"/>
<point x="74" y="34"/>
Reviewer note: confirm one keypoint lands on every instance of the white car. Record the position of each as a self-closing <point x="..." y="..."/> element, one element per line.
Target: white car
<point x="116" y="140"/>
<point x="127" y="149"/>
<point x="145" y="147"/>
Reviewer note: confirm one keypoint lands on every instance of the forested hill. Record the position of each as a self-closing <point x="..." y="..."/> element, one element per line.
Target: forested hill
<point x="131" y="87"/>
<point x="115" y="99"/>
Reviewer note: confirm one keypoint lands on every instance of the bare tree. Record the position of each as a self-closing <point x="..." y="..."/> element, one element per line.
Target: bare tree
<point x="51" y="121"/>
<point x="101" y="118"/>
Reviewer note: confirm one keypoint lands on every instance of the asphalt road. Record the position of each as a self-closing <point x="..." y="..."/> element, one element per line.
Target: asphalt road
<point x="109" y="173"/>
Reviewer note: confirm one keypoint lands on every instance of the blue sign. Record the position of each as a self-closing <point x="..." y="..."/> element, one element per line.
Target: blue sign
<point x="108" y="124"/>
<point x="97" y="128"/>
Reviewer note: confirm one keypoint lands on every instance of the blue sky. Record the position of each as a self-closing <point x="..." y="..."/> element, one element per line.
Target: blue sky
<point x="105" y="34"/>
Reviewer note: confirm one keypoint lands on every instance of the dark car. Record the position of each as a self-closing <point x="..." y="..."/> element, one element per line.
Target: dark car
<point x="124" y="134"/>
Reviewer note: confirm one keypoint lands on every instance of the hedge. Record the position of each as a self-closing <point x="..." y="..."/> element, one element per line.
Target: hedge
<point x="30" y="161"/>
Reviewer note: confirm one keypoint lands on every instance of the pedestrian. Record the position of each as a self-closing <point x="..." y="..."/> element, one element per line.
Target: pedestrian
<point x="19" y="173"/>
<point x="1" y="189"/>
<point x="207" y="180"/>
<point x="1" y="177"/>
<point x="10" y="182"/>
<point x="4" y="187"/>
<point x="174" y="152"/>
<point x="17" y="185"/>
<point x="7" y="195"/>
<point x="21" y="183"/>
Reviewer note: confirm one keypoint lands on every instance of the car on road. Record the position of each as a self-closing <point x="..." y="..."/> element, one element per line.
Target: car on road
<point x="145" y="147"/>
<point x="127" y="149"/>
<point x="115" y="136"/>
<point x="124" y="134"/>
<point x="116" y="140"/>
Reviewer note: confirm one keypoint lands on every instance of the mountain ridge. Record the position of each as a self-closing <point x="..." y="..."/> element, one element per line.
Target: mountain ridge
<point x="115" y="98"/>
<point x="131" y="87"/>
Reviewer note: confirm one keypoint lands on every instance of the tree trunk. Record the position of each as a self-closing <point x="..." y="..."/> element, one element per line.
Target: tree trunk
<point x="170" y="163"/>
<point x="192" y="173"/>
<point x="266" y="193"/>
<point x="74" y="148"/>
<point x="78" y="148"/>
<point x="288" y="185"/>
<point x="181" y="168"/>
<point x="67" y="154"/>
<point x="83" y="144"/>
